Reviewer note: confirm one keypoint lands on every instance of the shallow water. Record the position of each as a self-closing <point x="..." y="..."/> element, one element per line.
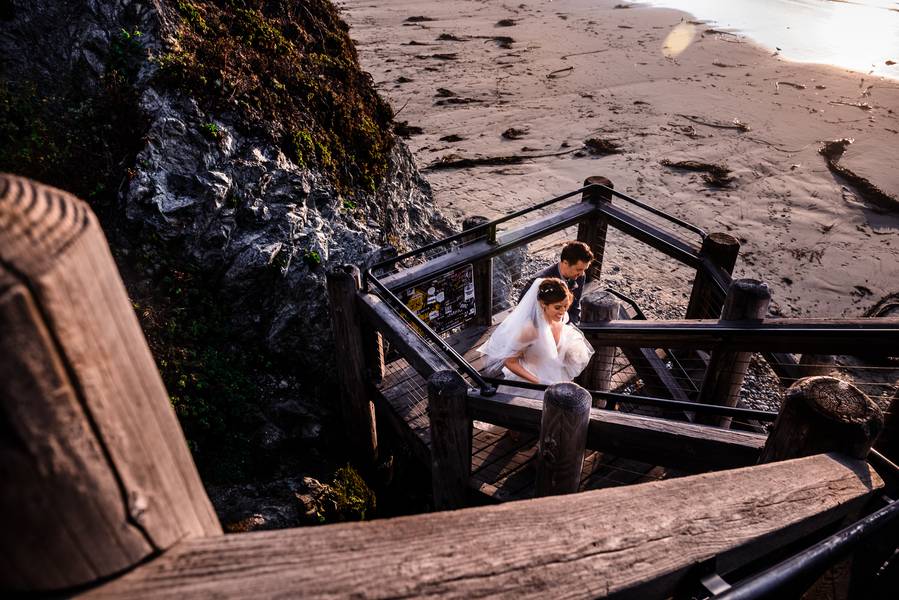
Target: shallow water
<point x="861" y="35"/>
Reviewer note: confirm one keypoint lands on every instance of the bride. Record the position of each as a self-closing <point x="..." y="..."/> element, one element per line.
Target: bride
<point x="535" y="342"/>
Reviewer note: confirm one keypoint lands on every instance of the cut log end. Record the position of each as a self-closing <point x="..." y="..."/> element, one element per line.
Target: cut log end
<point x="837" y="400"/>
<point x="723" y="239"/>
<point x="597" y="195"/>
<point x="823" y="414"/>
<point x="569" y="397"/>
<point x="446" y="383"/>
<point x="599" y="305"/>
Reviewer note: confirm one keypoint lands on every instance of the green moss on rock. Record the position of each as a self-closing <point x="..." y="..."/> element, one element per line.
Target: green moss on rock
<point x="290" y="68"/>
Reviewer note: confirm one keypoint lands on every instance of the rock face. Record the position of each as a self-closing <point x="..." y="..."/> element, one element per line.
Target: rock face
<point x="221" y="191"/>
<point x="270" y="227"/>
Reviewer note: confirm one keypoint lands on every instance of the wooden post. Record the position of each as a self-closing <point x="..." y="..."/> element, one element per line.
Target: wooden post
<point x="818" y="415"/>
<point x="747" y="300"/>
<point x="483" y="276"/>
<point x="374" y="353"/>
<point x="97" y="476"/>
<point x="888" y="442"/>
<point x="593" y="230"/>
<point x="823" y="414"/>
<point x="450" y="439"/>
<point x="563" y="438"/>
<point x="356" y="407"/>
<point x="721" y="250"/>
<point x="598" y="306"/>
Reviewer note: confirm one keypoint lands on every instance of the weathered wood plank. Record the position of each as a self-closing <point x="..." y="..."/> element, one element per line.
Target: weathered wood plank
<point x="634" y="542"/>
<point x="481" y="250"/>
<point x="684" y="446"/>
<point x="100" y="475"/>
<point x="356" y="408"/>
<point x="843" y="336"/>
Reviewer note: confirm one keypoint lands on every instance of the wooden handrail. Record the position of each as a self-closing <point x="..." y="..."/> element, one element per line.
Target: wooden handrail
<point x="482" y="249"/>
<point x="413" y="348"/>
<point x="631" y="542"/>
<point x="844" y="336"/>
<point x="651" y="235"/>
<point x="684" y="446"/>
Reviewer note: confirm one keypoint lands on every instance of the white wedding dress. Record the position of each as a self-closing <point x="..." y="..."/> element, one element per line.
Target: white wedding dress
<point x="526" y="333"/>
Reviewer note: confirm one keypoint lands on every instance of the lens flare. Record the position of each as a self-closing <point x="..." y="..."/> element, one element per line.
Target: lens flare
<point x="678" y="40"/>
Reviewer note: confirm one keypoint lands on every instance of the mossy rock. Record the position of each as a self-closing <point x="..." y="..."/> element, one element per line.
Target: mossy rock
<point x="290" y="69"/>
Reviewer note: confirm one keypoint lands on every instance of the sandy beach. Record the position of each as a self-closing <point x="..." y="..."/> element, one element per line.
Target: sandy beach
<point x="662" y="87"/>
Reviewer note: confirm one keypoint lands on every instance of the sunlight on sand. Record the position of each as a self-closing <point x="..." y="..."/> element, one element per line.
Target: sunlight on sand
<point x="678" y="40"/>
<point x="862" y="35"/>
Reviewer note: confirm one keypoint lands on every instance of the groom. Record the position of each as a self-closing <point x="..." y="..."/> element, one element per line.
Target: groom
<point x="571" y="268"/>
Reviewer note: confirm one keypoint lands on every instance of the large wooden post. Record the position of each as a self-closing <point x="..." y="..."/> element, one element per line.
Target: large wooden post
<point x="96" y="474"/>
<point x="747" y="300"/>
<point x="483" y="275"/>
<point x="823" y="414"/>
<point x="563" y="439"/>
<point x="593" y="230"/>
<point x="356" y="407"/>
<point x="598" y="306"/>
<point x="818" y="415"/>
<point x="450" y="439"/>
<point x="720" y="250"/>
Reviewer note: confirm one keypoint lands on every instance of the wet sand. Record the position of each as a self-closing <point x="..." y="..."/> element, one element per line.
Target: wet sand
<point x="578" y="69"/>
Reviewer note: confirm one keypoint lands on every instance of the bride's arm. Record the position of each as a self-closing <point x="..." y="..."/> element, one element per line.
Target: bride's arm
<point x="514" y="364"/>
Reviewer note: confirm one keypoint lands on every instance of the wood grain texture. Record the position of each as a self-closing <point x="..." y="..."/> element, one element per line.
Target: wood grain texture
<point x="563" y="438"/>
<point x="632" y="542"/>
<point x="76" y="369"/>
<point x="356" y="407"/>
<point x="823" y="414"/>
<point x="450" y="439"/>
<point x="719" y="250"/>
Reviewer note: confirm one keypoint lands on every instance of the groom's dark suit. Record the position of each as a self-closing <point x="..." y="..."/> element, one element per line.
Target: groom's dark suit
<point x="575" y="285"/>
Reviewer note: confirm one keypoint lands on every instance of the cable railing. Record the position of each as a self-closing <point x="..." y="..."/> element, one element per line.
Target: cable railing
<point x="613" y="399"/>
<point x="489" y="228"/>
<point x="683" y="370"/>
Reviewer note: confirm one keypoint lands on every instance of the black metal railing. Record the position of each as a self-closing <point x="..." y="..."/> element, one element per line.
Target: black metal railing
<point x="614" y="399"/>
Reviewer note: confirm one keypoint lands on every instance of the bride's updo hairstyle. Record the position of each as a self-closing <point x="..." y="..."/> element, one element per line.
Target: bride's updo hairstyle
<point x="553" y="290"/>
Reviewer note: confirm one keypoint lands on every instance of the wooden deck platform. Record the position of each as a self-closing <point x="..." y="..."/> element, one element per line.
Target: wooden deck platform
<point x="503" y="465"/>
